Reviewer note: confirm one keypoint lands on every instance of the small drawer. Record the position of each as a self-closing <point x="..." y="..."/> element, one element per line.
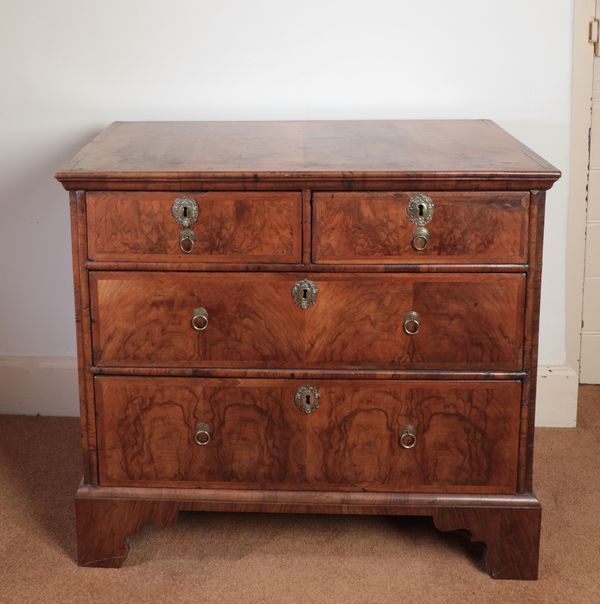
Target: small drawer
<point x="435" y="436"/>
<point x="458" y="321"/>
<point x="446" y="228"/>
<point x="231" y="227"/>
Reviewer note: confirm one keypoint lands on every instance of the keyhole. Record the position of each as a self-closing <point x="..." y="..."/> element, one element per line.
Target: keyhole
<point x="421" y="209"/>
<point x="308" y="401"/>
<point x="185" y="211"/>
<point x="304" y="294"/>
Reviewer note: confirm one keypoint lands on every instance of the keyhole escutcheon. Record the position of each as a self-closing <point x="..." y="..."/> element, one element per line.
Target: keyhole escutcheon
<point x="420" y="209"/>
<point x="185" y="211"/>
<point x="304" y="293"/>
<point x="307" y="399"/>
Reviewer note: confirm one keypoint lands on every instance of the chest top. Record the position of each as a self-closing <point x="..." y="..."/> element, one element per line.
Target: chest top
<point x="451" y="154"/>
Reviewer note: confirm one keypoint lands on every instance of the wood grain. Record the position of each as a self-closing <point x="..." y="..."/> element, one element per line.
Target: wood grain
<point x="330" y="155"/>
<point x="354" y="228"/>
<point x="231" y="227"/>
<point x="467" y="434"/>
<point x="468" y="321"/>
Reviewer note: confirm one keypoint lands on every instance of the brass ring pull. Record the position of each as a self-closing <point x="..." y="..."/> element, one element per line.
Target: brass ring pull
<point x="202" y="436"/>
<point x="186" y="245"/>
<point x="412" y="323"/>
<point x="187" y="238"/>
<point x="408" y="438"/>
<point x="420" y="238"/>
<point x="200" y="319"/>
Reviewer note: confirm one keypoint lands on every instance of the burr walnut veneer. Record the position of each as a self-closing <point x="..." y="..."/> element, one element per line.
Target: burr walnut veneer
<point x="309" y="317"/>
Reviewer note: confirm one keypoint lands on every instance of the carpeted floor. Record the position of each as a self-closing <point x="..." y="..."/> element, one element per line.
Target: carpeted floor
<point x="223" y="558"/>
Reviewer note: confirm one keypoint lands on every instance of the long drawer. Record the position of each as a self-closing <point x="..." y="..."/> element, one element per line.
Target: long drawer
<point x="401" y="321"/>
<point x="433" y="228"/>
<point x="427" y="436"/>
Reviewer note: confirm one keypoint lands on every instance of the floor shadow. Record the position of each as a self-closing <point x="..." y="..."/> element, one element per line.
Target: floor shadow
<point x="421" y="529"/>
<point x="233" y="536"/>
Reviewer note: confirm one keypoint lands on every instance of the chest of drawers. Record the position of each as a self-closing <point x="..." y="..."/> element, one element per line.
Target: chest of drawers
<point x="313" y="317"/>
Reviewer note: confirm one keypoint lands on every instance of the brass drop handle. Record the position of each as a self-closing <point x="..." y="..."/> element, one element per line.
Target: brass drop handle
<point x="202" y="435"/>
<point x="412" y="323"/>
<point x="187" y="238"/>
<point x="200" y="319"/>
<point x="408" y="436"/>
<point x="420" y="238"/>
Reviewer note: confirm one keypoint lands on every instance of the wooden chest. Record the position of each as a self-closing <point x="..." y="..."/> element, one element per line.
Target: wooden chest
<point x="316" y="317"/>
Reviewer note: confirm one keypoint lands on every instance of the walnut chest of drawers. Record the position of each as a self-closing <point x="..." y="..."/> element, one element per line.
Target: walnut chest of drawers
<point x="316" y="317"/>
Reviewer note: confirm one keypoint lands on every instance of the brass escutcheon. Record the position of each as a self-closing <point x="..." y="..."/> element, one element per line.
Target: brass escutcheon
<point x="304" y="293"/>
<point x="307" y="398"/>
<point x="185" y="211"/>
<point x="420" y="209"/>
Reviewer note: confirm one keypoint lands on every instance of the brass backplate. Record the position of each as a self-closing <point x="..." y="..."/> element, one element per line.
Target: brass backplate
<point x="304" y="293"/>
<point x="307" y="398"/>
<point x="185" y="211"/>
<point x="420" y="209"/>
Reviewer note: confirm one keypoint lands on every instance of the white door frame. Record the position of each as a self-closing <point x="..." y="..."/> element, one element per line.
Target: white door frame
<point x="558" y="385"/>
<point x="581" y="120"/>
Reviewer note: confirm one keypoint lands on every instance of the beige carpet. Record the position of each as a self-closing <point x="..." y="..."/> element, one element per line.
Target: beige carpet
<point x="288" y="558"/>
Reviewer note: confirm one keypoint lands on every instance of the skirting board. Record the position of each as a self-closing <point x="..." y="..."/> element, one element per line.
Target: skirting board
<point x="556" y="403"/>
<point x="39" y="386"/>
<point x="48" y="386"/>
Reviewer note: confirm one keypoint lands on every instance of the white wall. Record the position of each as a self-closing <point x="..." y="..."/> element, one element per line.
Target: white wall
<point x="70" y="67"/>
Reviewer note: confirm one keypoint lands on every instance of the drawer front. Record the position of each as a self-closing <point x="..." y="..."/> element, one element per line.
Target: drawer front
<point x="465" y="321"/>
<point x="230" y="227"/>
<point x="465" y="434"/>
<point x="465" y="228"/>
